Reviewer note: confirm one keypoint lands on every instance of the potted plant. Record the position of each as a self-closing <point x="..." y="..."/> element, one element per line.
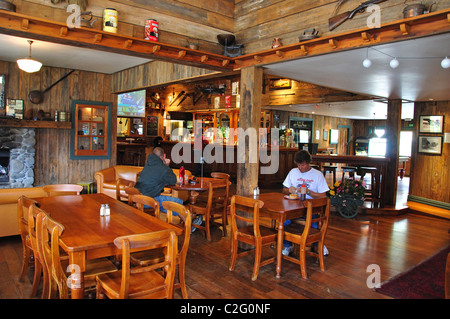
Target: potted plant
<point x="347" y="196"/>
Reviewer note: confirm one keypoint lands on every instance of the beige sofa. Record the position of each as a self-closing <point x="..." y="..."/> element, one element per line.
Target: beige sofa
<point x="107" y="180"/>
<point x="8" y="207"/>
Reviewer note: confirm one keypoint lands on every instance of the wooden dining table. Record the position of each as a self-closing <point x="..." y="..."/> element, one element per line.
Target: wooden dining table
<point x="277" y="207"/>
<point x="200" y="184"/>
<point x="87" y="235"/>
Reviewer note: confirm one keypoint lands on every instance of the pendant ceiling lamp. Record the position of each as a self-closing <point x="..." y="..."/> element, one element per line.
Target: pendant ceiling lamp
<point x="29" y="64"/>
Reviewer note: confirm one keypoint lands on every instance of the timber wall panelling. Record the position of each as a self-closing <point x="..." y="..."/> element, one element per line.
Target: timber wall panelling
<point x="52" y="161"/>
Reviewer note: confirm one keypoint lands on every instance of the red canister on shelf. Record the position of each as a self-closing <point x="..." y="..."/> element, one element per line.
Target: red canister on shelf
<point x="151" y="30"/>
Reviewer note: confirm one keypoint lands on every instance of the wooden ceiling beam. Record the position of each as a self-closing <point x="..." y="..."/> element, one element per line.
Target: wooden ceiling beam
<point x="16" y="24"/>
<point x="405" y="29"/>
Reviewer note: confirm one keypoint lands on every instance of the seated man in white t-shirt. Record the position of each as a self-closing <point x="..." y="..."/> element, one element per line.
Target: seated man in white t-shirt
<point x="313" y="179"/>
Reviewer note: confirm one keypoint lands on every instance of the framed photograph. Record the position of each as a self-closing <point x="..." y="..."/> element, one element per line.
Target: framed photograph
<point x="431" y="124"/>
<point x="280" y="84"/>
<point x="14" y="108"/>
<point x="325" y="135"/>
<point x="430" y="145"/>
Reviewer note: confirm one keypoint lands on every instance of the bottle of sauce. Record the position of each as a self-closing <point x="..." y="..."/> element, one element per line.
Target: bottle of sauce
<point x="303" y="190"/>
<point x="181" y="176"/>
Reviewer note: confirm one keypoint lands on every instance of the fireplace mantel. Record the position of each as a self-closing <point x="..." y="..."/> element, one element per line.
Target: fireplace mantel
<point x="35" y="124"/>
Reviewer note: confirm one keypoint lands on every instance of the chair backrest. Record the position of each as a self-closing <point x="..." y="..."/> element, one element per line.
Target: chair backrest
<point x="123" y="184"/>
<point x="140" y="200"/>
<point x="48" y="232"/>
<point x="317" y="211"/>
<point x="130" y="191"/>
<point x="63" y="189"/>
<point x="23" y="206"/>
<point x="220" y="175"/>
<point x="32" y="216"/>
<point x="172" y="207"/>
<point x="251" y="206"/>
<point x="139" y="242"/>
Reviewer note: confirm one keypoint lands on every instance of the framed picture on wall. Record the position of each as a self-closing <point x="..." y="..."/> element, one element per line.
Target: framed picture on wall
<point x="431" y="124"/>
<point x="430" y="145"/>
<point x="325" y="135"/>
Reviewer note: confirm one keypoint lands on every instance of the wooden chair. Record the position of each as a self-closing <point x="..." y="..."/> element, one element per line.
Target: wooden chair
<point x="253" y="234"/>
<point x="225" y="194"/>
<point x="63" y="189"/>
<point x="318" y="210"/>
<point x="23" y="205"/>
<point x="150" y="257"/>
<point x="48" y="232"/>
<point x="141" y="282"/>
<point x="39" y="266"/>
<point x="121" y="186"/>
<point x="214" y="208"/>
<point x="139" y="201"/>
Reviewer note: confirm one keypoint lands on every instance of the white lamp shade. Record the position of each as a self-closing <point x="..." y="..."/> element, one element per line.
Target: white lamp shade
<point x="394" y="63"/>
<point x="367" y="63"/>
<point x="29" y="65"/>
<point x="445" y="63"/>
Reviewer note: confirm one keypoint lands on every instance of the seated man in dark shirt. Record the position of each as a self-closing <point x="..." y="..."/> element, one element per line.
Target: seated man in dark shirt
<point x="155" y="175"/>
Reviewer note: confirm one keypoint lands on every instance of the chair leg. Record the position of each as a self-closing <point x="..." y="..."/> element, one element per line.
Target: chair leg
<point x="37" y="277"/>
<point x="208" y="231"/>
<point x="321" y="261"/>
<point x="302" y="254"/>
<point x="234" y="248"/>
<point x="181" y="278"/>
<point x="224" y="223"/>
<point x="25" y="262"/>
<point x="258" y="249"/>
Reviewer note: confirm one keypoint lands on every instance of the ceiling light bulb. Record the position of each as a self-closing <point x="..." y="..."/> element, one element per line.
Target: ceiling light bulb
<point x="394" y="63"/>
<point x="367" y="63"/>
<point x="445" y="63"/>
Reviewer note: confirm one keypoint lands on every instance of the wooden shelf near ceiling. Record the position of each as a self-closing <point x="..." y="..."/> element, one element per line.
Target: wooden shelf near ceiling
<point x="35" y="124"/>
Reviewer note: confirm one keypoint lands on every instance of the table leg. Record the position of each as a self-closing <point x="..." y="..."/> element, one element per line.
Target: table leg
<point x="280" y="246"/>
<point x="77" y="268"/>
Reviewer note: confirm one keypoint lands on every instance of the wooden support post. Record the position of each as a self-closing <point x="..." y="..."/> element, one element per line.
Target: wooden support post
<point x="249" y="118"/>
<point x="392" y="133"/>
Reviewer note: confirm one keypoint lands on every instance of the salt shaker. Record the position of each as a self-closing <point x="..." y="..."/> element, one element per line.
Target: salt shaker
<point x="107" y="210"/>
<point x="102" y="210"/>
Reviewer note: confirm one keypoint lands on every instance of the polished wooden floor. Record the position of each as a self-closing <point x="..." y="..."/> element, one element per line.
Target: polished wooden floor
<point x="394" y="243"/>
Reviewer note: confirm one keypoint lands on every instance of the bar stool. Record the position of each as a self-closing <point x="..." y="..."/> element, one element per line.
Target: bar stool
<point x="351" y="170"/>
<point x="374" y="180"/>
<point x="331" y="169"/>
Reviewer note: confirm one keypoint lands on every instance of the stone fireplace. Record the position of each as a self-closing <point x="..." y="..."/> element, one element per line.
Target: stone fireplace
<point x="20" y="144"/>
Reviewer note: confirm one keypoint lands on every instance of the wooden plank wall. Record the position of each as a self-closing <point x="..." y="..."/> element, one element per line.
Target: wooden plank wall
<point x="180" y="21"/>
<point x="431" y="172"/>
<point x="257" y="23"/>
<point x="52" y="162"/>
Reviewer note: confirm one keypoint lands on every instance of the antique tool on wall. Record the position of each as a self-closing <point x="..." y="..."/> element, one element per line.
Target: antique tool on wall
<point x="37" y="96"/>
<point x="337" y="20"/>
<point x="178" y="97"/>
<point x="184" y="98"/>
